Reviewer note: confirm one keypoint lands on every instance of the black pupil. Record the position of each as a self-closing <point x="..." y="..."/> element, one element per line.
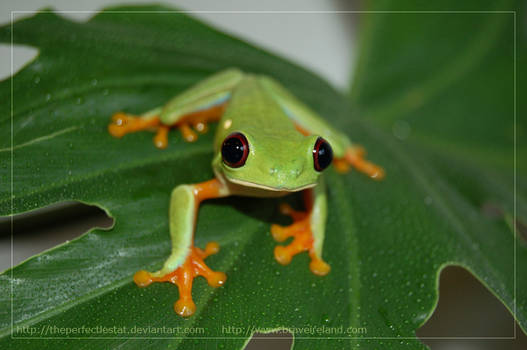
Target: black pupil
<point x="324" y="155"/>
<point x="233" y="151"/>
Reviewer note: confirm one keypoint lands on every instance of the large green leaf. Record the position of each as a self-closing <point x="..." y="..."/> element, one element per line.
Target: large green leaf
<point x="386" y="241"/>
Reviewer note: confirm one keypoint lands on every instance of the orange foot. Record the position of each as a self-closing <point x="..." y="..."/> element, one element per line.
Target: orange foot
<point x="302" y="241"/>
<point x="182" y="277"/>
<point x="355" y="156"/>
<point x="123" y="124"/>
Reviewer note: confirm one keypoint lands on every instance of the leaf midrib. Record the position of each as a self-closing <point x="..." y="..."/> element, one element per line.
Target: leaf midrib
<point x="354" y="294"/>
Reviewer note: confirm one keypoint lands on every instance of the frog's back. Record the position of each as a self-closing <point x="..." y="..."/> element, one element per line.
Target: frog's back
<point x="254" y="110"/>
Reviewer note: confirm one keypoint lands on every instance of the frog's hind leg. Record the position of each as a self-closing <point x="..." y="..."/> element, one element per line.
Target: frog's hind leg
<point x="194" y="108"/>
<point x="123" y="124"/>
<point x="307" y="231"/>
<point x="355" y="156"/>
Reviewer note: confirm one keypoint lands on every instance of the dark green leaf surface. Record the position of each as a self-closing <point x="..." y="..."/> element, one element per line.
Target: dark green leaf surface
<point x="386" y="241"/>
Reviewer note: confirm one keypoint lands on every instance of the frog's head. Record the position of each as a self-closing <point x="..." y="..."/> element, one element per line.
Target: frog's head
<point x="271" y="161"/>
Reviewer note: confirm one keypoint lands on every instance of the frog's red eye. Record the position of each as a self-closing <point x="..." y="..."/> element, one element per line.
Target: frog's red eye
<point x="235" y="150"/>
<point x="322" y="154"/>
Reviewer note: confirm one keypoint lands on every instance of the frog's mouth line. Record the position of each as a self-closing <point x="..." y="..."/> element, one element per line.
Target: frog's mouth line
<point x="268" y="188"/>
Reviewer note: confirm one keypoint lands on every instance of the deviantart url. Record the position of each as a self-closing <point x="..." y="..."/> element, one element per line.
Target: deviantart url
<point x="53" y="330"/>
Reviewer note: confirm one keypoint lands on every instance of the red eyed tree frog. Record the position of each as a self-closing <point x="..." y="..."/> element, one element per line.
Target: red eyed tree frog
<point x="267" y="144"/>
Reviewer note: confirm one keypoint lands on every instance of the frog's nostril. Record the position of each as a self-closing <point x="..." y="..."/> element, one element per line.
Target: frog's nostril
<point x="297" y="171"/>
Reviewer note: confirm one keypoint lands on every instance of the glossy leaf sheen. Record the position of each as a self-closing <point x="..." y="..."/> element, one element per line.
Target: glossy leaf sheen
<point x="386" y="241"/>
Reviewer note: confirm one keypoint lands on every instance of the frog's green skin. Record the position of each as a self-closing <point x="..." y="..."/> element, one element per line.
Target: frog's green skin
<point x="280" y="159"/>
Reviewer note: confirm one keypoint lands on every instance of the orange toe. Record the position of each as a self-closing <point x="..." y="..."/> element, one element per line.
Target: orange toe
<point x="281" y="255"/>
<point x="117" y="128"/>
<point x="216" y="279"/>
<point x="319" y="267"/>
<point x="200" y="127"/>
<point x="188" y="134"/>
<point x="161" y="138"/>
<point x="210" y="249"/>
<point x="185" y="308"/>
<point x="279" y="233"/>
<point x="142" y="278"/>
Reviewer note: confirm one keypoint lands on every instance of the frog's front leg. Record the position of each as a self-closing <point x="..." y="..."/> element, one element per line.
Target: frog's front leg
<point x="187" y="261"/>
<point x="307" y="230"/>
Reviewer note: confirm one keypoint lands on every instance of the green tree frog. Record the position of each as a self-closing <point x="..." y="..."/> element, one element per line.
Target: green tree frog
<point x="267" y="144"/>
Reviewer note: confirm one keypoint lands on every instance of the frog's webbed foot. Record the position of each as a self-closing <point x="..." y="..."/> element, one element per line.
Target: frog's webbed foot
<point x="123" y="124"/>
<point x="355" y="157"/>
<point x="183" y="276"/>
<point x="303" y="240"/>
<point x="189" y="125"/>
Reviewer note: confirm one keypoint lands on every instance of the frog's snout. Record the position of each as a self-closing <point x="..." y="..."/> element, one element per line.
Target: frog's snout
<point x="292" y="170"/>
